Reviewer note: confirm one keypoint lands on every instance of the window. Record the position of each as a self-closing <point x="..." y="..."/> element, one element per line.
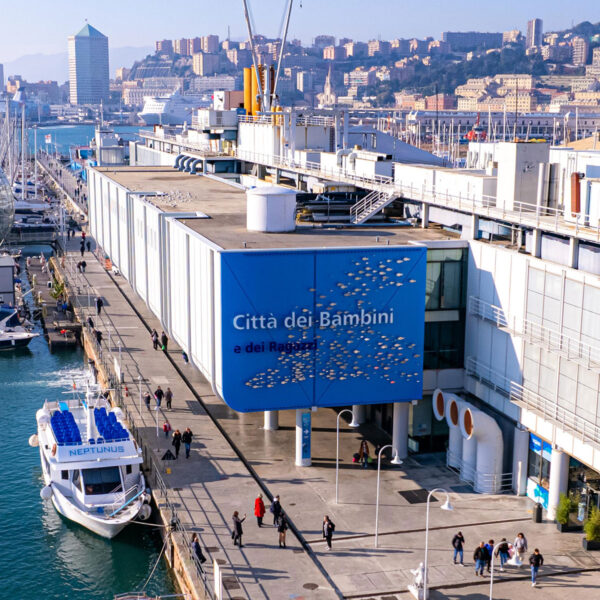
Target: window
<point x="538" y="468"/>
<point x="444" y="345"/>
<point x="128" y="469"/>
<point x="77" y="479"/>
<point x="105" y="480"/>
<point x="64" y="475"/>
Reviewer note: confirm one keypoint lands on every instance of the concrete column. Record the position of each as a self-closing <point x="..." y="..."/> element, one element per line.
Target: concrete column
<point x="277" y="176"/>
<point x="424" y="215"/>
<point x="400" y="428"/>
<point x="537" y="243"/>
<point x="520" y="457"/>
<point x="303" y="437"/>
<point x="358" y="415"/>
<point x="559" y="479"/>
<point x="574" y="253"/>
<point x="271" y="420"/>
<point x="474" y="227"/>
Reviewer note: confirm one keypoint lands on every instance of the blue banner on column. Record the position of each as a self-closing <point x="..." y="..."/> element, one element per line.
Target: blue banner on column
<point x="306" y="418"/>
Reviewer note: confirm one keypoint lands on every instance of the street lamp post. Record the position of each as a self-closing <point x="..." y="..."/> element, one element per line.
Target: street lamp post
<point x="140" y="388"/>
<point x="445" y="506"/>
<point x="337" y="450"/>
<point x="396" y="459"/>
<point x="511" y="561"/>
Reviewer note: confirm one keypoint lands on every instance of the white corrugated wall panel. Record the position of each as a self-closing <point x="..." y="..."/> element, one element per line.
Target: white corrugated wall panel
<point x="178" y="285"/>
<point x="139" y="229"/>
<point x="114" y="223"/>
<point x="154" y="262"/>
<point x="123" y="234"/>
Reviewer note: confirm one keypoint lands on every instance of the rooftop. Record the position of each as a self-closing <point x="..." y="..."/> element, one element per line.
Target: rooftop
<point x="226" y="207"/>
<point x="89" y="31"/>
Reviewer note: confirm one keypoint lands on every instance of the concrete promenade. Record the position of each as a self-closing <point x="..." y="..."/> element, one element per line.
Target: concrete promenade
<point x="214" y="482"/>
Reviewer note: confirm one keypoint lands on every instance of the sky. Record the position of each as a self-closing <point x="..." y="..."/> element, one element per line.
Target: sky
<point x="42" y="26"/>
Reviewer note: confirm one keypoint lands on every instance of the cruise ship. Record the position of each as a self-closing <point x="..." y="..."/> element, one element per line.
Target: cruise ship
<point x="175" y="109"/>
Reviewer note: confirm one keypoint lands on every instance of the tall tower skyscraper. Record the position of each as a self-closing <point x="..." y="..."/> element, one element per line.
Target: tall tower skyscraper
<point x="534" y="33"/>
<point x="1" y="77"/>
<point x="88" y="67"/>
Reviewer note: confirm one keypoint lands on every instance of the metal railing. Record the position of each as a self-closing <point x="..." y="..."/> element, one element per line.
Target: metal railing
<point x="550" y="410"/>
<point x="549" y="339"/>
<point x="488" y="377"/>
<point x="500" y="482"/>
<point x="369" y="205"/>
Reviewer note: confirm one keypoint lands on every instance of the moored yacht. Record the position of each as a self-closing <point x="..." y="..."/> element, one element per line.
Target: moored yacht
<point x="91" y="464"/>
<point x="12" y="333"/>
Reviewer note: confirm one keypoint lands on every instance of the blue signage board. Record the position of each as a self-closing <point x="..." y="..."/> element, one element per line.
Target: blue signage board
<point x="306" y="417"/>
<point x="331" y="327"/>
<point x="537" y="493"/>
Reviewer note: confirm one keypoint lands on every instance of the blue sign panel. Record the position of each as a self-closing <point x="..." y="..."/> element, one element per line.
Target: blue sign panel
<point x="306" y="434"/>
<point x="304" y="328"/>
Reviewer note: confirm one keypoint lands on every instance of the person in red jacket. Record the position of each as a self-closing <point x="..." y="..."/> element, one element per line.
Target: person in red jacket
<point x="259" y="509"/>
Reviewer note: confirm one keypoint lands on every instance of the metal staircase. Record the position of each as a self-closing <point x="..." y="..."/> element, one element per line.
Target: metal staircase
<point x="370" y="205"/>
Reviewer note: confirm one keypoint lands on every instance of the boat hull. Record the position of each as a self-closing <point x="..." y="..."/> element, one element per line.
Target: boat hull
<point x="11" y="344"/>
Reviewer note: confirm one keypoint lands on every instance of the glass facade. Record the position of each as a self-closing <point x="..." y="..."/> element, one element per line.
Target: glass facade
<point x="445" y="302"/>
<point x="538" y="470"/>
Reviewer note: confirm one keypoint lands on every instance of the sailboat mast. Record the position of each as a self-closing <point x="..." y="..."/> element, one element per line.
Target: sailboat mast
<point x="23" y="151"/>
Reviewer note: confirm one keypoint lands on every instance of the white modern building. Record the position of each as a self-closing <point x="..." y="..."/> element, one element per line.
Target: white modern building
<point x="88" y="67"/>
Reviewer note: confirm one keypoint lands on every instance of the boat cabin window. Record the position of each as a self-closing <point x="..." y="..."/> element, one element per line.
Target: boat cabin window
<point x="64" y="475"/>
<point x="77" y="479"/>
<point x="128" y="469"/>
<point x="105" y="480"/>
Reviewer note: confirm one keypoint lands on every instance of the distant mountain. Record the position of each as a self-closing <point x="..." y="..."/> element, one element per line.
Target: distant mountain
<point x="37" y="67"/>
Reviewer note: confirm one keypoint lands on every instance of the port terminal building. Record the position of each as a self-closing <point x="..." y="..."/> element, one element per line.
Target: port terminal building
<point x="310" y="265"/>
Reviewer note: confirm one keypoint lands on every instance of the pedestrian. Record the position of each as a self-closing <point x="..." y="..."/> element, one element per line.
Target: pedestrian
<point x="520" y="545"/>
<point x="503" y="553"/>
<point x="79" y="267"/>
<point x="169" y="397"/>
<point x="82" y="249"/>
<point x="166" y="428"/>
<point x="88" y="245"/>
<point x="237" y="529"/>
<point x="186" y="438"/>
<point x="457" y="543"/>
<point x="177" y="442"/>
<point x="83" y="266"/>
<point x="275" y="509"/>
<point x="164" y="340"/>
<point x="328" y="529"/>
<point x="154" y="337"/>
<point x="185" y="357"/>
<point x="282" y="527"/>
<point x="98" y="335"/>
<point x="259" y="509"/>
<point x="198" y="551"/>
<point x="83" y="236"/>
<point x="147" y="399"/>
<point x="490" y="548"/>
<point x="90" y="323"/>
<point x="363" y="453"/>
<point x="99" y="304"/>
<point x="480" y="557"/>
<point x="158" y="396"/>
<point x="536" y="560"/>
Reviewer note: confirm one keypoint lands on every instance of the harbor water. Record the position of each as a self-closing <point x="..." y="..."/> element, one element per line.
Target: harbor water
<point x="64" y="136"/>
<point x="45" y="555"/>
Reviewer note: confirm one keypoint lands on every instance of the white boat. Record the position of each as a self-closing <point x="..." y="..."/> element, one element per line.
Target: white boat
<point x="12" y="333"/>
<point x="174" y="109"/>
<point x="91" y="464"/>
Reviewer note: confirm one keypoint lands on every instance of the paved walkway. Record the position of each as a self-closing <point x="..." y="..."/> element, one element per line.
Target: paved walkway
<point x="214" y="483"/>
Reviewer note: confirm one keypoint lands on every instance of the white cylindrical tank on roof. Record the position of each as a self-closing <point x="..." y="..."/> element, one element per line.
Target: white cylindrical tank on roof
<point x="270" y="209"/>
<point x="447" y="406"/>
<point x="475" y="424"/>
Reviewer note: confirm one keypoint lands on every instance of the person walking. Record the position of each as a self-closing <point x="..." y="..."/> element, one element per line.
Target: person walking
<point x="82" y="248"/>
<point x="88" y="245"/>
<point x="503" y="553"/>
<point x="83" y="266"/>
<point x="164" y="340"/>
<point x="237" y="529"/>
<point x="158" y="396"/>
<point x="282" y="527"/>
<point x="480" y="557"/>
<point x="177" y="442"/>
<point x="520" y="545"/>
<point x="154" y="336"/>
<point x="490" y="548"/>
<point x="198" y="551"/>
<point x="363" y="453"/>
<point x="147" y="399"/>
<point x="167" y="428"/>
<point x="259" y="509"/>
<point x="458" y="542"/>
<point x="328" y="529"/>
<point x="186" y="438"/>
<point x="99" y="304"/>
<point x="169" y="397"/>
<point x="275" y="509"/>
<point x="536" y="560"/>
<point x="98" y="335"/>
